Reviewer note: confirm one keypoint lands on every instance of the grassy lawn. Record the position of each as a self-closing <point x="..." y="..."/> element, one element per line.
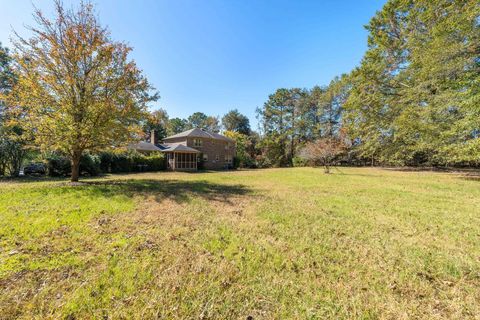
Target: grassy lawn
<point x="268" y="244"/>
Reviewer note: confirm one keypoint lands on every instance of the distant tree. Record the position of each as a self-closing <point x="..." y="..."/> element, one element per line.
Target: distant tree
<point x="197" y="120"/>
<point x="243" y="146"/>
<point x="330" y="107"/>
<point x="7" y="79"/>
<point x="202" y="121"/>
<point x="12" y="139"/>
<point x="158" y="121"/>
<point x="77" y="89"/>
<point x="176" y="125"/>
<point x="323" y="151"/>
<point x="283" y="118"/>
<point x="212" y="124"/>
<point x="236" y="122"/>
<point x="414" y="98"/>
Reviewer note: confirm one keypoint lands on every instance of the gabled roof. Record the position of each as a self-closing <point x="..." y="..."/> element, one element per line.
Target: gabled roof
<point x="144" y="146"/>
<point x="199" y="133"/>
<point x="176" y="147"/>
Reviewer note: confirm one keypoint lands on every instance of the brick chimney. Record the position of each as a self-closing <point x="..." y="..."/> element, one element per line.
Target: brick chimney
<point x="153" y="137"/>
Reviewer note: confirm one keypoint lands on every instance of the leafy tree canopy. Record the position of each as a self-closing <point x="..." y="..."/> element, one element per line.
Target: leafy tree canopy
<point x="237" y="122"/>
<point x="77" y="89"/>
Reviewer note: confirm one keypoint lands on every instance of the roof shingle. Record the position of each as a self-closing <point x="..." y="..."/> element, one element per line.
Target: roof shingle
<point x="199" y="133"/>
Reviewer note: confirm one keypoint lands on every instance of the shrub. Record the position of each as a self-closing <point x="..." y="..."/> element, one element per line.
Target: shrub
<point x="299" y="162"/>
<point x="59" y="165"/>
<point x="105" y="161"/>
<point x="120" y="163"/>
<point x="90" y="164"/>
<point x="151" y="162"/>
<point x="155" y="162"/>
<point x="131" y="162"/>
<point x="12" y="154"/>
<point x="236" y="162"/>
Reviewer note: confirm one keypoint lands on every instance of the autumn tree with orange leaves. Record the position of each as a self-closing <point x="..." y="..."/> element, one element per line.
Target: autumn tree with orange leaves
<point x="77" y="90"/>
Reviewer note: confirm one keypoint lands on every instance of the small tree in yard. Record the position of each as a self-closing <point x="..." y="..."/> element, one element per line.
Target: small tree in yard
<point x="323" y="151"/>
<point x="77" y="90"/>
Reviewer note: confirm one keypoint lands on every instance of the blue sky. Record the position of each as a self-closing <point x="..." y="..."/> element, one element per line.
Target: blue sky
<point x="213" y="55"/>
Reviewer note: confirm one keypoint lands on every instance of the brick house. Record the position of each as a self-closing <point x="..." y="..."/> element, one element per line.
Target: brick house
<point x="197" y="148"/>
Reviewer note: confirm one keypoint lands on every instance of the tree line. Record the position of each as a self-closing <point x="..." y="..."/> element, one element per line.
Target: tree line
<point x="413" y="100"/>
<point x="164" y="126"/>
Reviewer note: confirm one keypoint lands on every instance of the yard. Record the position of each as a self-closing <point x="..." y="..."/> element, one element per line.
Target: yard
<point x="262" y="244"/>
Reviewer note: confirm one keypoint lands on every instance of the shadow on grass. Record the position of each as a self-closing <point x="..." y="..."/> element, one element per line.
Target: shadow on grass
<point x="472" y="176"/>
<point x="44" y="178"/>
<point x="178" y="190"/>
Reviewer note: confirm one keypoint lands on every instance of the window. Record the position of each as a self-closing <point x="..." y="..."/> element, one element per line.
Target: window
<point x="197" y="142"/>
<point x="228" y="158"/>
<point x="217" y="158"/>
<point x="227" y="146"/>
<point x="205" y="157"/>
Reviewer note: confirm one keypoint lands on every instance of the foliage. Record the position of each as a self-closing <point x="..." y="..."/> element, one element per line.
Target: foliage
<point x="7" y="79"/>
<point x="158" y="121"/>
<point x="60" y="166"/>
<point x="299" y="161"/>
<point x="293" y="117"/>
<point x="202" y="121"/>
<point x="12" y="139"/>
<point x="412" y="101"/>
<point x="243" y="158"/>
<point x="414" y="98"/>
<point x="131" y="162"/>
<point x="12" y="154"/>
<point x="176" y="125"/>
<point x="237" y="122"/>
<point x="323" y="151"/>
<point x="280" y="116"/>
<point x="106" y="162"/>
<point x="77" y="90"/>
<point x="197" y="120"/>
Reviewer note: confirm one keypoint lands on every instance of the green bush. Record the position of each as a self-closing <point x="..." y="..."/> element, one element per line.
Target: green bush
<point x="59" y="165"/>
<point x="155" y="162"/>
<point x="90" y="164"/>
<point x="106" y="162"/>
<point x="12" y="155"/>
<point x="131" y="162"/>
<point x="120" y="163"/>
<point x="299" y="162"/>
<point x="236" y="162"/>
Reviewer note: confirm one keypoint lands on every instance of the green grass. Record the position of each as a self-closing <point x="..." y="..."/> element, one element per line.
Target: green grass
<point x="270" y="244"/>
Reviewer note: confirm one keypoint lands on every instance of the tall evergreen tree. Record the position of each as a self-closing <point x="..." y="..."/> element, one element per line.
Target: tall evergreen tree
<point x="236" y="122"/>
<point x="414" y="98"/>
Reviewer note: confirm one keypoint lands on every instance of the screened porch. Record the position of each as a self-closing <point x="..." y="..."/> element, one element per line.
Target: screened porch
<point x="182" y="161"/>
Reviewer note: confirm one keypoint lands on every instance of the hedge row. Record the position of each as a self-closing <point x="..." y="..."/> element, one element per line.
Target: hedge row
<point x="131" y="162"/>
<point x="106" y="162"/>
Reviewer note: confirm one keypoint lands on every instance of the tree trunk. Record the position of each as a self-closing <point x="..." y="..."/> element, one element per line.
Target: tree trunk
<point x="75" y="166"/>
<point x="327" y="168"/>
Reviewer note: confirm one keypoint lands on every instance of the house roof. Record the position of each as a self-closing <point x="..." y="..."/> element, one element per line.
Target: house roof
<point x="176" y="147"/>
<point x="199" y="133"/>
<point x="144" y="146"/>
